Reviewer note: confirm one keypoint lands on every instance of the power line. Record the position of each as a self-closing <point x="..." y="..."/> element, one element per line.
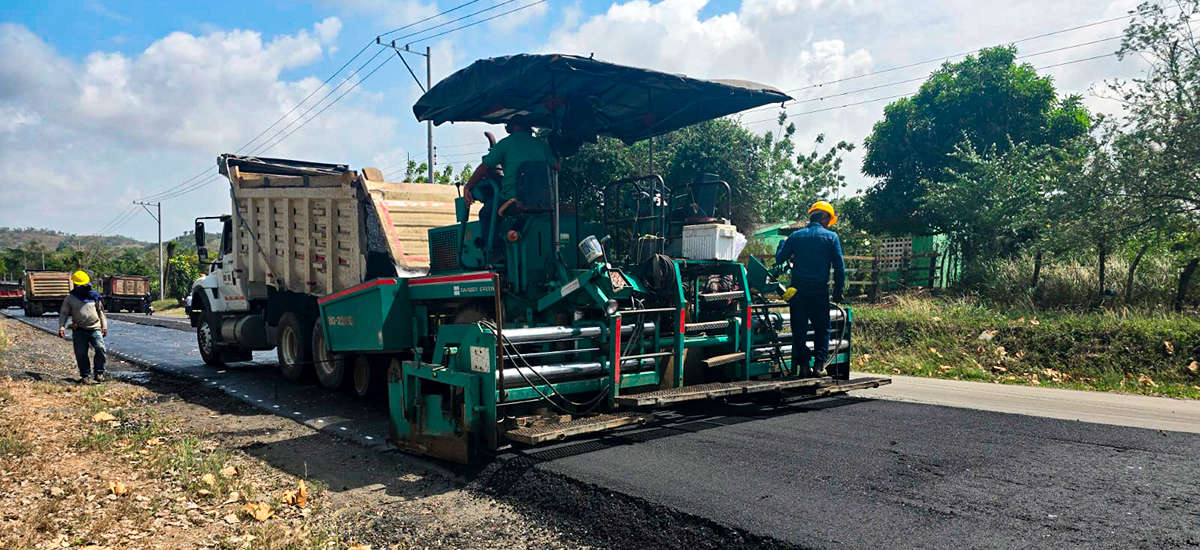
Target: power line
<point x="261" y="148"/>
<point x="923" y="77"/>
<point x="306" y="98"/>
<point x="485" y="20"/>
<point x="451" y="22"/>
<point x="460" y="6"/>
<point x="914" y="91"/>
<point x="944" y="58"/>
<point x="331" y="104"/>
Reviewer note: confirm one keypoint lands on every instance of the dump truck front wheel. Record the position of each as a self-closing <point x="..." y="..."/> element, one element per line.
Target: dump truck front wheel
<point x="295" y="347"/>
<point x="204" y="340"/>
<point x="330" y="367"/>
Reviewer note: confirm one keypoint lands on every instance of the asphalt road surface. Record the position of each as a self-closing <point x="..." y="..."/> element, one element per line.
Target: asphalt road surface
<point x="845" y="472"/>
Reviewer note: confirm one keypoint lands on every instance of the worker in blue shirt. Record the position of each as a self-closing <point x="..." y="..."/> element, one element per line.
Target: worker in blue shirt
<point x="813" y="251"/>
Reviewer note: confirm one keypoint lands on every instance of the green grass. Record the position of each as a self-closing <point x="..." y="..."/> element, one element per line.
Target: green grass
<point x="1147" y="353"/>
<point x="169" y="306"/>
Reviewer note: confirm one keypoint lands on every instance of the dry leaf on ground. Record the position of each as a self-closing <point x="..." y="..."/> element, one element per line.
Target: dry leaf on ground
<point x="1194" y="366"/>
<point x="231" y="518"/>
<point x="261" y="511"/>
<point x="103" y="416"/>
<point x="945" y="368"/>
<point x="229" y="471"/>
<point x="1034" y="322"/>
<point x="153" y="441"/>
<point x="1143" y="379"/>
<point x="209" y="480"/>
<point x="299" y="497"/>
<point x="359" y="547"/>
<point x="117" y="488"/>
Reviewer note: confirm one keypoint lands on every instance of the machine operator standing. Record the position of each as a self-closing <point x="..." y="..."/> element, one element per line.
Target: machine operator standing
<point x="813" y="251"/>
<point x="520" y="146"/>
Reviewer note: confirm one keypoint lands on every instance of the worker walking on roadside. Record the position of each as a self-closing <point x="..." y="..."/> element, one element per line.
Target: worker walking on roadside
<point x="518" y="147"/>
<point x="813" y="250"/>
<point x="83" y="306"/>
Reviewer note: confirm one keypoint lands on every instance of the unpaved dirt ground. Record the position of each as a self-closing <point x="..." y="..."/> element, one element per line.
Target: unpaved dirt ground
<point x="60" y="464"/>
<point x="59" y="460"/>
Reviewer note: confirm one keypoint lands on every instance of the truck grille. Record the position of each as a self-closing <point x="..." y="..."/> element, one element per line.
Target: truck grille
<point x="443" y="248"/>
<point x="48" y="286"/>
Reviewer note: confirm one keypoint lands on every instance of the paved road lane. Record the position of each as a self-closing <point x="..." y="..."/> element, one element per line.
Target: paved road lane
<point x="1136" y="411"/>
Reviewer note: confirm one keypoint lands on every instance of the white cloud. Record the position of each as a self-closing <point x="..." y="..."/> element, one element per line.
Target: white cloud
<point x="83" y="138"/>
<point x="804" y="45"/>
<point x="517" y="17"/>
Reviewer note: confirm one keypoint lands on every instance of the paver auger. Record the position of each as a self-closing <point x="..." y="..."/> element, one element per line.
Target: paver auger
<point x="607" y="303"/>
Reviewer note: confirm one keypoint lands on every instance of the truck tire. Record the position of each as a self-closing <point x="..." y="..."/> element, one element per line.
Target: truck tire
<point x="363" y="376"/>
<point x="209" y="351"/>
<point x="330" y="367"/>
<point x="295" y="347"/>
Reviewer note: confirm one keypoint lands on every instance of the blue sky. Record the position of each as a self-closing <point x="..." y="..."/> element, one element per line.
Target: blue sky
<point x="103" y="102"/>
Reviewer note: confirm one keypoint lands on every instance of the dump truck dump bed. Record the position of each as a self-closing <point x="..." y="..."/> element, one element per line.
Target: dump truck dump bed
<point x="322" y="228"/>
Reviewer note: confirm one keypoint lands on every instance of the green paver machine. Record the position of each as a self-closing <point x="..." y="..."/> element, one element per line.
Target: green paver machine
<point x="593" y="317"/>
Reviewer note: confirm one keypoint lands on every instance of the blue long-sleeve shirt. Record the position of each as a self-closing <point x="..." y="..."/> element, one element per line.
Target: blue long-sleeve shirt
<point x="813" y="251"/>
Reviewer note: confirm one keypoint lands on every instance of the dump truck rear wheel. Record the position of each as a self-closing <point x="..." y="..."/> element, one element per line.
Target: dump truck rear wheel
<point x="330" y="367"/>
<point x="364" y="376"/>
<point x="204" y="340"/>
<point x="295" y="347"/>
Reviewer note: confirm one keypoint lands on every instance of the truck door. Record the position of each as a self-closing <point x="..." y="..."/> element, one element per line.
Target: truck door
<point x="232" y="295"/>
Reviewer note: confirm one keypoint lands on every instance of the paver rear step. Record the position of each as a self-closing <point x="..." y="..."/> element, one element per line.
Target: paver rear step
<point x="716" y="389"/>
<point x="578" y="426"/>
<point x="714" y="296"/>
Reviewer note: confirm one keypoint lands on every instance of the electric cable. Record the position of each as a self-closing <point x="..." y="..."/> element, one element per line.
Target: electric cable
<point x="497" y="16"/>
<point x="468" y="16"/>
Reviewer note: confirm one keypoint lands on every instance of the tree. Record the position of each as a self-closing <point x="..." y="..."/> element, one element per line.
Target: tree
<point x="797" y="181"/>
<point x="988" y="101"/>
<point x="1160" y="146"/>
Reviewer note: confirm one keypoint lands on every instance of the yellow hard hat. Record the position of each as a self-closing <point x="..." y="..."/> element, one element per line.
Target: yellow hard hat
<point x="80" y="278"/>
<point x="824" y="206"/>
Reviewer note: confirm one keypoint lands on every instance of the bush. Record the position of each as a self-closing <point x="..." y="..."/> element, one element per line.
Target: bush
<point x="959" y="338"/>
<point x="1067" y="284"/>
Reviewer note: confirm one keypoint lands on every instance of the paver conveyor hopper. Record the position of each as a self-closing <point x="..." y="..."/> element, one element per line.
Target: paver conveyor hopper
<point x="593" y="317"/>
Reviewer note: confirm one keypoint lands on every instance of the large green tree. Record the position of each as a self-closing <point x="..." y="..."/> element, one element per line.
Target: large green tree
<point x="988" y="101"/>
<point x="1160" y="148"/>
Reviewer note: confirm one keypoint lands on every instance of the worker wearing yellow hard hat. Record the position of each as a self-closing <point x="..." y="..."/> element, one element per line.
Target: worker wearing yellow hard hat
<point x="824" y="206"/>
<point x="82" y="311"/>
<point x="813" y="251"/>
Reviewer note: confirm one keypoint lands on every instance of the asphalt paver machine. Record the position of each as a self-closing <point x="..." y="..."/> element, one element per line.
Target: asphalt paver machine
<point x="609" y="301"/>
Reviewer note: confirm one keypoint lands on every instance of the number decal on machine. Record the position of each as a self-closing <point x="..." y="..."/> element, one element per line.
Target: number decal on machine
<point x="480" y="361"/>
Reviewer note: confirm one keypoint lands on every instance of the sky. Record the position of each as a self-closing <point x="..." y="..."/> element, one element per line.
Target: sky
<point x="103" y="103"/>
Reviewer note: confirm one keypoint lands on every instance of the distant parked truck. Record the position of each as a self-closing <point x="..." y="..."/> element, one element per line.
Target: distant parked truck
<point x="127" y="293"/>
<point x="44" y="291"/>
<point x="11" y="294"/>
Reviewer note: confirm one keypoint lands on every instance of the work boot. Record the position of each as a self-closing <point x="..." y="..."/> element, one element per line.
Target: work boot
<point x="100" y="377"/>
<point x="87" y="381"/>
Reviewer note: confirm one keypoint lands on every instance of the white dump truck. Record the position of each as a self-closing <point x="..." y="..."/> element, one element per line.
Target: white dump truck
<point x="300" y="231"/>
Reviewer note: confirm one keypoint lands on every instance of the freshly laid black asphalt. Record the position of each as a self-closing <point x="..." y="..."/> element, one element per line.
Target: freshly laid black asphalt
<point x="835" y="473"/>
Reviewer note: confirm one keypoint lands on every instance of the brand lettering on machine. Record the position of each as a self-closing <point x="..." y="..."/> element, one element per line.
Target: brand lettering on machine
<point x="340" y="320"/>
<point x="473" y="289"/>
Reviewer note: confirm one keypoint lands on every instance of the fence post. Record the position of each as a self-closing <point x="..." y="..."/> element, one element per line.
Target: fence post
<point x="873" y="290"/>
<point x="932" y="267"/>
<point x="905" y="265"/>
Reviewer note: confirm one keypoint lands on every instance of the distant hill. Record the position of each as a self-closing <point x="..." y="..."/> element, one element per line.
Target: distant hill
<point x="11" y="237"/>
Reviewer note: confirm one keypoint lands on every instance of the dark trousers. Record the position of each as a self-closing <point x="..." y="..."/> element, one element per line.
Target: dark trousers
<point x="82" y="339"/>
<point x="809" y="310"/>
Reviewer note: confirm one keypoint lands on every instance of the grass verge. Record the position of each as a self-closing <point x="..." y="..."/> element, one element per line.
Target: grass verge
<point x="1147" y="353"/>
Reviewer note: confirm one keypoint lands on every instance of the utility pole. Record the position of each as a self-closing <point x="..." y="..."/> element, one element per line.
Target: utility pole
<point x="162" y="274"/>
<point x="428" y="84"/>
<point x="429" y="124"/>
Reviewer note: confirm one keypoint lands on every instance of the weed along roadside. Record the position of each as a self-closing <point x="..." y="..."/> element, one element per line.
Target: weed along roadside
<point x="1146" y="353"/>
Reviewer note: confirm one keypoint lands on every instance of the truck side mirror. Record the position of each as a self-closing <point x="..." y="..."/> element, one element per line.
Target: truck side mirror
<point x="199" y="236"/>
<point x="202" y="254"/>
